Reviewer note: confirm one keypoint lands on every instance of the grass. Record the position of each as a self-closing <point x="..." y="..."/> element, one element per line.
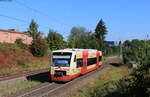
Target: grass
<point x="105" y="80"/>
<point x="7" y="90"/>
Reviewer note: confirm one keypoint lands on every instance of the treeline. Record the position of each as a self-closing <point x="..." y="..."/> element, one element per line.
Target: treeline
<point x="137" y="51"/>
<point x="137" y="84"/>
<point x="79" y="37"/>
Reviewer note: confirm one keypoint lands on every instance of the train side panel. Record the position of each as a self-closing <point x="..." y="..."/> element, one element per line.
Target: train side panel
<point x="91" y="61"/>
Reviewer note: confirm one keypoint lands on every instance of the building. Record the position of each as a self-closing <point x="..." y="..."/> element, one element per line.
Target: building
<point x="10" y="36"/>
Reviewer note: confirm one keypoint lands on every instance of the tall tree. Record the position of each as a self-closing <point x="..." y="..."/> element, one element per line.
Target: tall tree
<point x="100" y="33"/>
<point x="33" y="30"/>
<point x="87" y="41"/>
<point x="75" y="34"/>
<point x="81" y="38"/>
<point x="55" y="40"/>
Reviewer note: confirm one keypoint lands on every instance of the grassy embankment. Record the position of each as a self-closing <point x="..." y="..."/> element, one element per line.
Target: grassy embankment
<point x="104" y="84"/>
<point x="7" y="90"/>
<point x="14" y="60"/>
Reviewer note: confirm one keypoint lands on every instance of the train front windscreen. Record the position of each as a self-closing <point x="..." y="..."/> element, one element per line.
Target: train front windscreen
<point x="61" y="59"/>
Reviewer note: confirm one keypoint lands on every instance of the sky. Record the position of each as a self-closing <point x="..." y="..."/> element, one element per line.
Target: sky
<point x="124" y="19"/>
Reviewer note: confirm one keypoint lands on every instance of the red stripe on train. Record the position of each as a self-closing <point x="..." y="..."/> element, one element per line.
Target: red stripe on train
<point x="97" y="58"/>
<point x="85" y="56"/>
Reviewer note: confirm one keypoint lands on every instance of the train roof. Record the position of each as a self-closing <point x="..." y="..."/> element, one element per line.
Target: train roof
<point x="75" y="50"/>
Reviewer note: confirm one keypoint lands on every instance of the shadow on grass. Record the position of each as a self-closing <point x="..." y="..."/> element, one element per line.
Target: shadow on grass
<point x="40" y="77"/>
<point x="43" y="77"/>
<point x="116" y="64"/>
<point x="113" y="94"/>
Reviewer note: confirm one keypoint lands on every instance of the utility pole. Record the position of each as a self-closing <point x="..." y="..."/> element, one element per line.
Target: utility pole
<point x="120" y="48"/>
<point x="120" y="53"/>
<point x="73" y="45"/>
<point x="146" y="39"/>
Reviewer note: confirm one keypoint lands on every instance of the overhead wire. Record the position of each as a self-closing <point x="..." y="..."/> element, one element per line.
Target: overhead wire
<point x="36" y="11"/>
<point x="20" y="20"/>
<point x="41" y="13"/>
<point x="44" y="14"/>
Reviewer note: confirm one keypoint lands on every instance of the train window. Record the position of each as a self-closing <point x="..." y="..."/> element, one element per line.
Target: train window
<point x="61" y="59"/>
<point x="75" y="58"/>
<point x="91" y="61"/>
<point x="79" y="62"/>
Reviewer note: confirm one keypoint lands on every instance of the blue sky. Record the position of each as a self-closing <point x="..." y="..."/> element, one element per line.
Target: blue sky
<point x="125" y="19"/>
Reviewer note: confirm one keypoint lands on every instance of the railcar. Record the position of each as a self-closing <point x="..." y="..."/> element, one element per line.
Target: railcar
<point x="68" y="64"/>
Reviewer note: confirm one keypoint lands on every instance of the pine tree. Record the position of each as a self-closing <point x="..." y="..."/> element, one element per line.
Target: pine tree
<point x="33" y="30"/>
<point x="100" y="33"/>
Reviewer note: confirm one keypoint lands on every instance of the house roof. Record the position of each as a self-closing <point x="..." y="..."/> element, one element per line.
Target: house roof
<point x="14" y="31"/>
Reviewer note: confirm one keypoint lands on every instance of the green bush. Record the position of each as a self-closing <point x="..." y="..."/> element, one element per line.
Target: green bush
<point x="20" y="43"/>
<point x="104" y="90"/>
<point x="39" y="47"/>
<point x="137" y="84"/>
<point x="111" y="50"/>
<point x="136" y="50"/>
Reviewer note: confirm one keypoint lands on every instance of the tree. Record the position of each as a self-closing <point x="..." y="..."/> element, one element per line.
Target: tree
<point x="100" y="33"/>
<point x="81" y="38"/>
<point x="19" y="41"/>
<point x="33" y="30"/>
<point x="76" y="33"/>
<point x="39" y="47"/>
<point x="87" y="41"/>
<point x="55" y="40"/>
<point x="136" y="50"/>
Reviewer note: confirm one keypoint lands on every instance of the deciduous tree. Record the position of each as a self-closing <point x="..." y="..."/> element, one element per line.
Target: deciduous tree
<point x="39" y="47"/>
<point x="75" y="34"/>
<point x="55" y="40"/>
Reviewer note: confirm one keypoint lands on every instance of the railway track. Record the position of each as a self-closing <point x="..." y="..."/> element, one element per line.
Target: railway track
<point x="23" y="74"/>
<point x="61" y="89"/>
<point x="13" y="79"/>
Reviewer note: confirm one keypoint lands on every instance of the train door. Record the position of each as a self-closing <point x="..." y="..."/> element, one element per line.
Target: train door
<point x="85" y="56"/>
